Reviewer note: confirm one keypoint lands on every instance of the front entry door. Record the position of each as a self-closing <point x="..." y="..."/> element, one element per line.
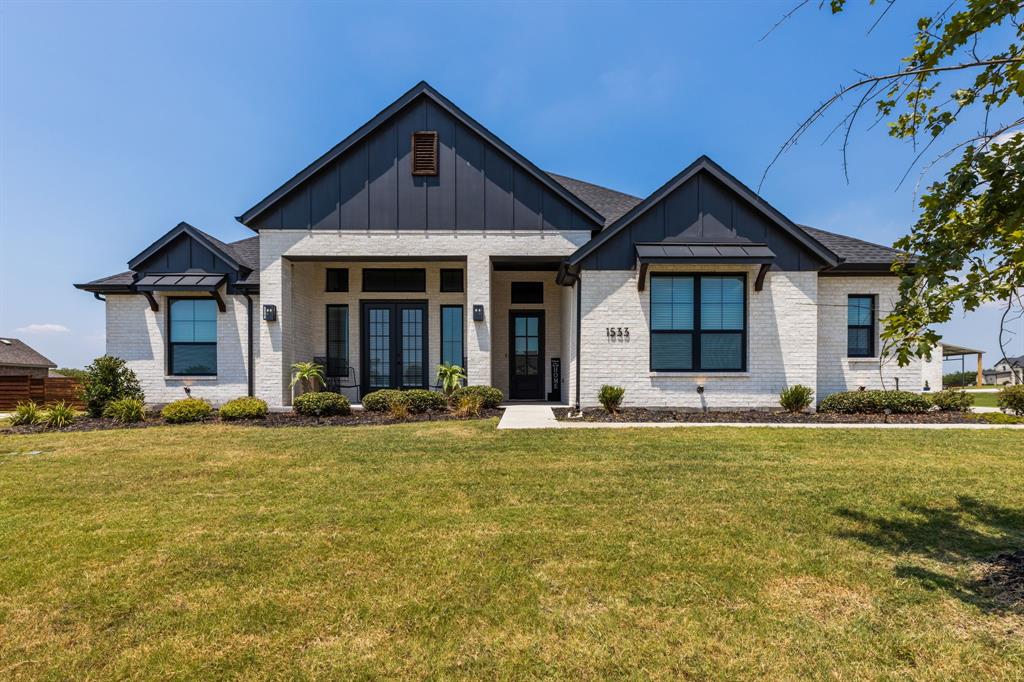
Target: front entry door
<point x="526" y="354"/>
<point x="394" y="345"/>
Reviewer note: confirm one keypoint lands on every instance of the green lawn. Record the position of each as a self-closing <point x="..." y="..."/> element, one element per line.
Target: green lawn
<point x="455" y="550"/>
<point x="985" y="399"/>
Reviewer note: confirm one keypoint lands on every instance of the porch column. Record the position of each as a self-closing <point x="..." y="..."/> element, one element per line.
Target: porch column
<point x="274" y="360"/>
<point x="478" y="334"/>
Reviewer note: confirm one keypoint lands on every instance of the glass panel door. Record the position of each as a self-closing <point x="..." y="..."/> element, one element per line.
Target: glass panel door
<point x="526" y="354"/>
<point x="394" y="345"/>
<point x="378" y="347"/>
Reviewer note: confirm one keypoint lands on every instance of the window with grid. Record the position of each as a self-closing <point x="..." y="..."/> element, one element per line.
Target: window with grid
<point x="337" y="341"/>
<point x="451" y="335"/>
<point x="698" y="323"/>
<point x="192" y="337"/>
<point x="860" y="326"/>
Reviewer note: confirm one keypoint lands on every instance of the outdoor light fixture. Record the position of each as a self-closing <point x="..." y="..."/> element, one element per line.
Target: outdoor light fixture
<point x="188" y="391"/>
<point x="700" y="389"/>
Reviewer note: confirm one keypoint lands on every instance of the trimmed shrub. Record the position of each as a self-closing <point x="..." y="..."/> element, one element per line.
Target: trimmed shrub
<point x="469" y="405"/>
<point x="26" y="414"/>
<point x="186" y="410"/>
<point x="1011" y="399"/>
<point x="125" y="410"/>
<point x="321" y="404"/>
<point x="875" y="402"/>
<point x="796" y="398"/>
<point x="382" y="400"/>
<point x="421" y="400"/>
<point x="243" y="408"/>
<point x="490" y="397"/>
<point x="998" y="418"/>
<point x="60" y="415"/>
<point x="610" y="397"/>
<point x="951" y="400"/>
<point x="108" y="379"/>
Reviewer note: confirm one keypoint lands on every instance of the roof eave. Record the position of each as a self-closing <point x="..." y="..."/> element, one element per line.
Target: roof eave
<point x="195" y="233"/>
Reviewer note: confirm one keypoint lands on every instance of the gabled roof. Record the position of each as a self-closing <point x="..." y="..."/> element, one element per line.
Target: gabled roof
<point x="245" y="252"/>
<point x="609" y="202"/>
<point x="216" y="246"/>
<point x="18" y="353"/>
<point x="852" y="250"/>
<point x="421" y="89"/>
<point x="705" y="164"/>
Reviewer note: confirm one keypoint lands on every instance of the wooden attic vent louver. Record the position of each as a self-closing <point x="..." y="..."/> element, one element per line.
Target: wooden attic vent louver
<point x="424" y="152"/>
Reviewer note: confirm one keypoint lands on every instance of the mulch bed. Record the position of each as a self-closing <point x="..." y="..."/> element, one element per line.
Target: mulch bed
<point x="273" y="420"/>
<point x="642" y="414"/>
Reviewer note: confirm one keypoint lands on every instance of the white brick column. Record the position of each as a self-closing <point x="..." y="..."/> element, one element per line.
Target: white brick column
<point x="478" y="334"/>
<point x="274" y="360"/>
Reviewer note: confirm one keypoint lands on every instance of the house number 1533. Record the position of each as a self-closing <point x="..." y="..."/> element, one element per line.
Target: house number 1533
<point x="617" y="332"/>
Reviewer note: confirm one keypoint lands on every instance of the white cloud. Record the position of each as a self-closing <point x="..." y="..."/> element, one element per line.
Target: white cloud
<point x="45" y="328"/>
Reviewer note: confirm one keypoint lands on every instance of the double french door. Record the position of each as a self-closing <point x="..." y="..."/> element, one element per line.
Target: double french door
<point x="394" y="345"/>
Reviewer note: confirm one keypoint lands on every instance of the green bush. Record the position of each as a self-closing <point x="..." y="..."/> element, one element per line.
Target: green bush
<point x="125" y="410"/>
<point x="1011" y="399"/>
<point x="243" y="408"/>
<point x="26" y="414"/>
<point x="490" y="397"/>
<point x="875" y="402"/>
<point x="186" y="410"/>
<point x="796" y="398"/>
<point x="610" y="397"/>
<point x="382" y="400"/>
<point x="108" y="379"/>
<point x="321" y="404"/>
<point x="421" y="400"/>
<point x="59" y="415"/>
<point x="951" y="400"/>
<point x="998" y="418"/>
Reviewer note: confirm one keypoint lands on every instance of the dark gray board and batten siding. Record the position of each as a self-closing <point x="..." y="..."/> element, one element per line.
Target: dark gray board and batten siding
<point x="371" y="185"/>
<point x="702" y="209"/>
<point x="183" y="254"/>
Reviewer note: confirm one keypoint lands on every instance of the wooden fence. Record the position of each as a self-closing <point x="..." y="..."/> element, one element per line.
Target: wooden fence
<point x="17" y="389"/>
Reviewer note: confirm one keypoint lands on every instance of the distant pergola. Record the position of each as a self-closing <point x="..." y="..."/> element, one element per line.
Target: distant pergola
<point x="951" y="351"/>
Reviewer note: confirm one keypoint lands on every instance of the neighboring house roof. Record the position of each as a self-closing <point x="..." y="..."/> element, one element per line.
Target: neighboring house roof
<point x="17" y="353"/>
<point x="421" y="89"/>
<point x="1012" y="361"/>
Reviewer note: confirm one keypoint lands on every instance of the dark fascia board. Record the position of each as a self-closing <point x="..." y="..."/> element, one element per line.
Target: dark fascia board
<point x="704" y="163"/>
<point x="195" y="233"/>
<point x="425" y="89"/>
<point x="94" y="288"/>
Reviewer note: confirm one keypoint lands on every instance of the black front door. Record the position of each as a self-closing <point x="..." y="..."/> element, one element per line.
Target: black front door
<point x="526" y="354"/>
<point x="394" y="345"/>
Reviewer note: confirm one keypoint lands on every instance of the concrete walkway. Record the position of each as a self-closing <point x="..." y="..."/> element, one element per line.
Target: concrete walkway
<point x="541" y="417"/>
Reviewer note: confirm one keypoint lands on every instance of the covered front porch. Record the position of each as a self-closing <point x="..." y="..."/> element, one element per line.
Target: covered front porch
<point x="388" y="322"/>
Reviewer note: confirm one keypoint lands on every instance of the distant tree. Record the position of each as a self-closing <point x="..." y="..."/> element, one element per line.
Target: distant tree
<point x="959" y="379"/>
<point x="969" y="239"/>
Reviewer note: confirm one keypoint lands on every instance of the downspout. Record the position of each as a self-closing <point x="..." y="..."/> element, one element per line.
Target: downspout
<point x="579" y="334"/>
<point x="98" y="296"/>
<point x="248" y="359"/>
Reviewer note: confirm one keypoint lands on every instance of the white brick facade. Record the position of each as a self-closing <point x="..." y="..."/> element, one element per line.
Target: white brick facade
<point x="781" y="339"/>
<point x="138" y="335"/>
<point x="796" y="326"/>
<point x="836" y="371"/>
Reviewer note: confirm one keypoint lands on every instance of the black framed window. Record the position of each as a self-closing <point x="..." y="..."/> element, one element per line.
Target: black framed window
<point x="394" y="279"/>
<point x="698" y="323"/>
<point x="192" y="337"/>
<point x="452" y="280"/>
<point x="860" y="326"/>
<point x="337" y="341"/>
<point x="452" y="329"/>
<point x="337" y="279"/>
<point x="527" y="292"/>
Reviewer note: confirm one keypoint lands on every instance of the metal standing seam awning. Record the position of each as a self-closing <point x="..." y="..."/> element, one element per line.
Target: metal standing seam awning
<point x="208" y="282"/>
<point x="648" y="254"/>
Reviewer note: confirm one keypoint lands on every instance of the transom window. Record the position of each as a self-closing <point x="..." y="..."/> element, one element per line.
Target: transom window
<point x="698" y="323"/>
<point x="860" y="326"/>
<point x="192" y="337"/>
<point x="394" y="279"/>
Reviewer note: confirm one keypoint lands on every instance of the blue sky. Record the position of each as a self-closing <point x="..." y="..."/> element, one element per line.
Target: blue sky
<point x="117" y="121"/>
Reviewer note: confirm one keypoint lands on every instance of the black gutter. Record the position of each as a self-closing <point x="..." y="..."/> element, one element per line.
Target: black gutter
<point x="248" y="361"/>
<point x="98" y="296"/>
<point x="579" y="334"/>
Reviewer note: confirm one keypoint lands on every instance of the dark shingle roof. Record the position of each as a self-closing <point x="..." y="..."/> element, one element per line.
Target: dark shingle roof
<point x="17" y="352"/>
<point x="608" y="202"/>
<point x="613" y="205"/>
<point x="851" y="249"/>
